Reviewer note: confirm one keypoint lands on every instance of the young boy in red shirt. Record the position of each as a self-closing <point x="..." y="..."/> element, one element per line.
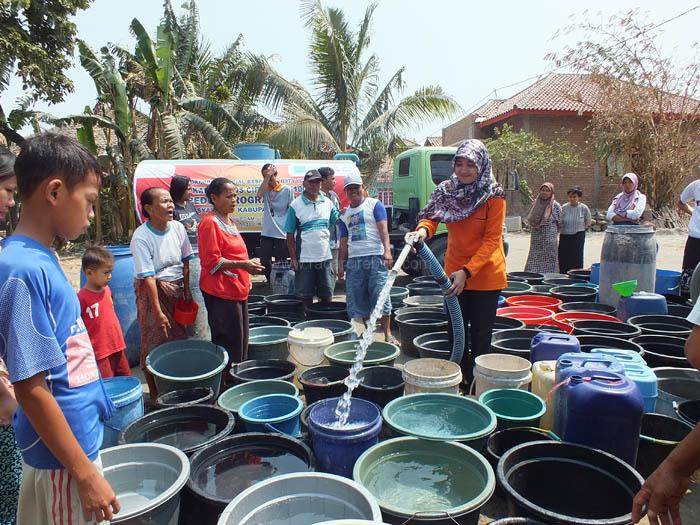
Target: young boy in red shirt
<point x="97" y="311"/>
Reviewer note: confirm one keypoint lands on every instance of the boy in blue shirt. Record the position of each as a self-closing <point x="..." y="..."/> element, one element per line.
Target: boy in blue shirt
<point x="43" y="341"/>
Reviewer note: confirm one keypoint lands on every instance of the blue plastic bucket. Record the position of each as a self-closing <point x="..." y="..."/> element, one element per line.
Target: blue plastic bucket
<point x="126" y="393"/>
<point x="337" y="448"/>
<point x="501" y="301"/>
<point x="668" y="281"/>
<point x="273" y="413"/>
<point x="595" y="273"/>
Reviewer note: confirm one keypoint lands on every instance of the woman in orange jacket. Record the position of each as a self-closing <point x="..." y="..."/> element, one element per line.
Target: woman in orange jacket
<point x="472" y="205"/>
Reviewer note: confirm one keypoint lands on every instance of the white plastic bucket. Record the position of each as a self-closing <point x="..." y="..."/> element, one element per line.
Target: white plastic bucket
<point x="501" y="371"/>
<point x="543" y="380"/>
<point x="430" y="375"/>
<point x="282" y="278"/>
<point x="306" y="347"/>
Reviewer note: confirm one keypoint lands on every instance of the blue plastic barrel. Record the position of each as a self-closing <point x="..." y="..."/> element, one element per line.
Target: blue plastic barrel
<point x="122" y="286"/>
<point x="273" y="413"/>
<point x="548" y="346"/>
<point x="637" y="370"/>
<point x="668" y="281"/>
<point x="578" y="363"/>
<point x="641" y="303"/>
<point x="623" y="356"/>
<point x="126" y="393"/>
<point x="595" y="273"/>
<point x="603" y="411"/>
<point x="256" y="151"/>
<point x="337" y="448"/>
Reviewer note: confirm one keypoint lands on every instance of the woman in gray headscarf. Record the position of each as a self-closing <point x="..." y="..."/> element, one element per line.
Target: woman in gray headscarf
<point x="544" y="219"/>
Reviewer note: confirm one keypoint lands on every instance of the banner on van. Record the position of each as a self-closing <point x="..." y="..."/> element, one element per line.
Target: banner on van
<point x="245" y="175"/>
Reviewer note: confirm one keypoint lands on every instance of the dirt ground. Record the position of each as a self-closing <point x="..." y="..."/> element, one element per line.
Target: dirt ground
<point x="670" y="256"/>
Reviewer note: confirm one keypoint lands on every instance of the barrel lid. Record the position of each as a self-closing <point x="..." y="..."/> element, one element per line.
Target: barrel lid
<point x="311" y="335"/>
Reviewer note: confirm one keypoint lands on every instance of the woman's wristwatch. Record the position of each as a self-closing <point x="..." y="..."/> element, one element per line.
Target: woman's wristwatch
<point x="466" y="272"/>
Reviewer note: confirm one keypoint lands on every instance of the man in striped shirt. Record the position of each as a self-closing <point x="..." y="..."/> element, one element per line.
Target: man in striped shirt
<point x="312" y="215"/>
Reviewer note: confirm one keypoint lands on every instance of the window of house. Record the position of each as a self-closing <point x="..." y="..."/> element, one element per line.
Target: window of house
<point x="440" y="167"/>
<point x="614" y="166"/>
<point x="404" y="167"/>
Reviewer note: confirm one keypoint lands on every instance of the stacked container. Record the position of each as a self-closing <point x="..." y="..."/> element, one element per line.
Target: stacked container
<point x="601" y="410"/>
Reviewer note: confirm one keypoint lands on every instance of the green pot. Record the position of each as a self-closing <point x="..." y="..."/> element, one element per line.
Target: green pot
<point x="378" y="353"/>
<point x="268" y="342"/>
<point x="234" y="397"/>
<point x="441" y="417"/>
<point x="514" y="407"/>
<point x="432" y="482"/>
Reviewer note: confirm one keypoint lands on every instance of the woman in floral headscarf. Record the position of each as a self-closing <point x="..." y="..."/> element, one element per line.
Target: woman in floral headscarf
<point x="628" y="206"/>
<point x="472" y="205"/>
<point x="544" y="219"/>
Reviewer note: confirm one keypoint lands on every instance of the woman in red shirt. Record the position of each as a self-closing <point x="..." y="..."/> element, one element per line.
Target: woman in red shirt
<point x="225" y="276"/>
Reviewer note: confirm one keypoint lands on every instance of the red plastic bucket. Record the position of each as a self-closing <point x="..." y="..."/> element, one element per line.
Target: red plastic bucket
<point x="185" y="312"/>
<point x="528" y="314"/>
<point x="536" y="301"/>
<point x="563" y="319"/>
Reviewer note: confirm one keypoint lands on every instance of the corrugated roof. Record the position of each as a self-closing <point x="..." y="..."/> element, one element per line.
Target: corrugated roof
<point x="558" y="93"/>
<point x="433" y="141"/>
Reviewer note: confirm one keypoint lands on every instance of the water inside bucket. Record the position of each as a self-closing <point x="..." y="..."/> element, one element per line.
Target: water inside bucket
<point x="444" y="421"/>
<point x="240" y="470"/>
<point x="182" y="434"/>
<point x="342" y="410"/>
<point x="151" y="483"/>
<point x="423" y="482"/>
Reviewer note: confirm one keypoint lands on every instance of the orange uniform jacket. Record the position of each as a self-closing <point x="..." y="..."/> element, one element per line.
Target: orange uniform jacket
<point x="475" y="243"/>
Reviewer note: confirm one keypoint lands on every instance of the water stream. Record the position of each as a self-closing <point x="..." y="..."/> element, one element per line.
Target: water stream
<point x="342" y="410"/>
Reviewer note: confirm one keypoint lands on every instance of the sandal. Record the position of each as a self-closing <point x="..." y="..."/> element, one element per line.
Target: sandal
<point x="392" y="340"/>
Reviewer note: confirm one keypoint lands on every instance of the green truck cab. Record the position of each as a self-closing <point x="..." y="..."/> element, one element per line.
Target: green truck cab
<point x="416" y="174"/>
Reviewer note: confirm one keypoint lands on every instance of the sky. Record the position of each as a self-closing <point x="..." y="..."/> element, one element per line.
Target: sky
<point x="471" y="49"/>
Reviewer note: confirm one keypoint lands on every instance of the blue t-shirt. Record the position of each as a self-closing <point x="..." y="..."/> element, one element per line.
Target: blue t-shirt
<point x="41" y="331"/>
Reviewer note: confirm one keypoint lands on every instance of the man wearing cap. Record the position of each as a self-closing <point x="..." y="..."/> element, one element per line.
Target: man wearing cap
<point x="364" y="242"/>
<point x="276" y="200"/>
<point x="327" y="185"/>
<point x="312" y="214"/>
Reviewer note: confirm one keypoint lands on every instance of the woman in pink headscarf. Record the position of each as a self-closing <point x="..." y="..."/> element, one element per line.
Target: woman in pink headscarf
<point x="628" y="206"/>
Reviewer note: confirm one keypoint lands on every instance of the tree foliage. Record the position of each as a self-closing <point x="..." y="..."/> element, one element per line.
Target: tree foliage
<point x="36" y="44"/>
<point x="347" y="108"/>
<point x="525" y="154"/>
<point x="647" y="111"/>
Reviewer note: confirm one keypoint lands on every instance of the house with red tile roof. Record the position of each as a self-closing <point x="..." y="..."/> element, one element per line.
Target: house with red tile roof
<point x="555" y="106"/>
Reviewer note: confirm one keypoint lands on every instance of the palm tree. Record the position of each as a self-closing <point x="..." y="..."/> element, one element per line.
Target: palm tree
<point x="346" y="108"/>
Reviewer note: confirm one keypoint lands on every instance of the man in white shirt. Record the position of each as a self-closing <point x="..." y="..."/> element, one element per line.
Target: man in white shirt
<point x="691" y="254"/>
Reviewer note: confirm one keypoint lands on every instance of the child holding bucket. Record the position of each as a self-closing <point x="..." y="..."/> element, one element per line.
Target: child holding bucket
<point x="43" y="341"/>
<point x="97" y="310"/>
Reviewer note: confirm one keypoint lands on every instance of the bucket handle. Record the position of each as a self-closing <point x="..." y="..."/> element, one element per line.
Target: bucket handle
<point x="548" y="432"/>
<point x="299" y="361"/>
<point x="472" y="386"/>
<point x="430" y="514"/>
<point x="276" y="430"/>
